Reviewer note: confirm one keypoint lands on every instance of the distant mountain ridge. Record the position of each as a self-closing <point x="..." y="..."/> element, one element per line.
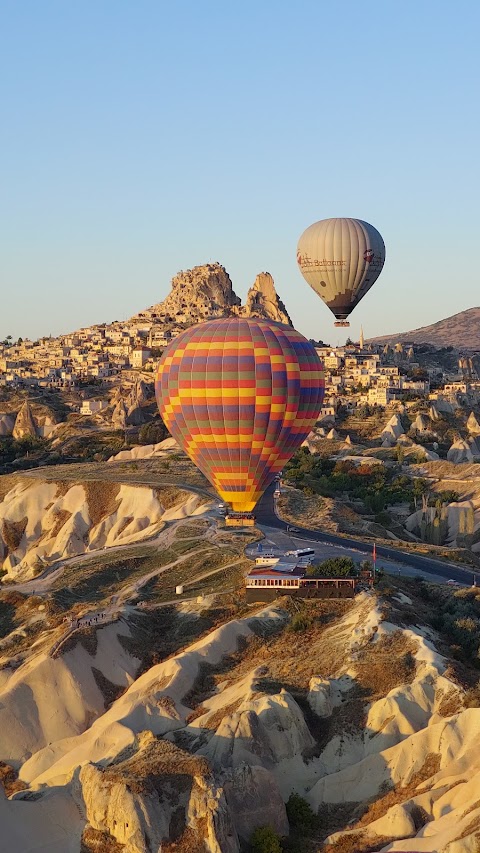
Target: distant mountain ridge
<point x="461" y="331"/>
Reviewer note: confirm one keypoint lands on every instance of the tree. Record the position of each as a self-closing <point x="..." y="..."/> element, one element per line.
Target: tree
<point x="335" y="567"/>
<point x="300" y="814"/>
<point x="153" y="432"/>
<point x="265" y="840"/>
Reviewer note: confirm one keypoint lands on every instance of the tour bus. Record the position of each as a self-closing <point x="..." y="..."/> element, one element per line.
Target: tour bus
<point x="301" y="552"/>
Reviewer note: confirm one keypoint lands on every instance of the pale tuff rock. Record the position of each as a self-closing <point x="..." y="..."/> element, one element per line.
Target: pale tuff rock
<point x="333" y="435"/>
<point x="420" y="424"/>
<point x="444" y="406"/>
<point x="263" y="301"/>
<point x="142" y="392"/>
<point x="263" y="731"/>
<point x="147" y="451"/>
<point x="433" y="413"/>
<point x="460" y="452"/>
<point x="136" y="800"/>
<point x="119" y="416"/>
<point x="55" y="698"/>
<point x="206" y="292"/>
<point x="25" y="425"/>
<point x="254" y="800"/>
<point x="38" y="522"/>
<point x="135" y="415"/>
<point x="199" y="294"/>
<point x="473" y="426"/>
<point x="393" y="429"/>
<point x="7" y="423"/>
<point x="320" y="697"/>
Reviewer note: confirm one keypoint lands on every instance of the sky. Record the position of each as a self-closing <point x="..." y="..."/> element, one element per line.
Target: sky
<point x="141" y="138"/>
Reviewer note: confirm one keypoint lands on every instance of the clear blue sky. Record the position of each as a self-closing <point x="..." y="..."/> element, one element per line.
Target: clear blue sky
<point x="141" y="138"/>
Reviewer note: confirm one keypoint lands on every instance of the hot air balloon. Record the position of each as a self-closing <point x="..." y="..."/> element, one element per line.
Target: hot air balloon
<point x="341" y="259"/>
<point x="240" y="396"/>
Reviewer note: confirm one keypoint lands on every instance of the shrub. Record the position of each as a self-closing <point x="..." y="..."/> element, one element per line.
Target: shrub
<point x="472" y="697"/>
<point x="300" y="814"/>
<point x="265" y="840"/>
<point x="300" y="622"/>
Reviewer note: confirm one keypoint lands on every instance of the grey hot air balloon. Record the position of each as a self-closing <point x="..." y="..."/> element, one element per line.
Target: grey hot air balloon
<point x="340" y="259"/>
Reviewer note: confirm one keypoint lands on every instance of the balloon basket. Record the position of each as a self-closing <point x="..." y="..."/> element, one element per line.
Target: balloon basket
<point x="342" y="323"/>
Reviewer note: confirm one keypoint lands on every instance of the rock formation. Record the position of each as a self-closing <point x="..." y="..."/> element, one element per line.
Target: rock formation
<point x="135" y="416"/>
<point x="420" y="424"/>
<point x="7" y="423"/>
<point x="393" y="429"/>
<point x="119" y="416"/>
<point x="138" y="801"/>
<point x="25" y="424"/>
<point x="460" y="451"/>
<point x="198" y="294"/>
<point x="206" y="292"/>
<point x="263" y="301"/>
<point x="254" y="800"/>
<point x="473" y="426"/>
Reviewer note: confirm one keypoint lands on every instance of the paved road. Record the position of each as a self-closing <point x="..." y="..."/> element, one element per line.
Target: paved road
<point x="266" y="517"/>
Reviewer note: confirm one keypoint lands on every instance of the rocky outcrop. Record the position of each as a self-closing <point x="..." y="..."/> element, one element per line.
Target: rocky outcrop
<point x="459" y="452"/>
<point x="206" y="292"/>
<point x="119" y="416"/>
<point x="198" y="294"/>
<point x="25" y="425"/>
<point x="333" y="435"/>
<point x="41" y="521"/>
<point x="420" y="424"/>
<point x="7" y="423"/>
<point x="147" y="451"/>
<point x="263" y="301"/>
<point x="473" y="426"/>
<point x="254" y="800"/>
<point x="264" y="731"/>
<point x="160" y="794"/>
<point x="135" y="416"/>
<point x="392" y="431"/>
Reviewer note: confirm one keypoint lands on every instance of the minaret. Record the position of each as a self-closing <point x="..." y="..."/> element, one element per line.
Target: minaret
<point x="362" y="339"/>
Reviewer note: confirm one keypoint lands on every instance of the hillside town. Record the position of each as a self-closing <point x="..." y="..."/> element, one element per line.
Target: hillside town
<point x="103" y="356"/>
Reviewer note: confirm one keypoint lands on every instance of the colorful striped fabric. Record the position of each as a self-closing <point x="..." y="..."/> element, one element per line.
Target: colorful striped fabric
<point x="239" y="396"/>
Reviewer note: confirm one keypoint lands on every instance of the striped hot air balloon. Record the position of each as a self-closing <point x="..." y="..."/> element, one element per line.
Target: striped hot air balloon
<point x="240" y="396"/>
<point x="341" y="259"/>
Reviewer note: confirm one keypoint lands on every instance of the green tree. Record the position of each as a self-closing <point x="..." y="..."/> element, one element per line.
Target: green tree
<point x="265" y="840"/>
<point x="301" y="816"/>
<point x="300" y="622"/>
<point x="153" y="432"/>
<point x="335" y="567"/>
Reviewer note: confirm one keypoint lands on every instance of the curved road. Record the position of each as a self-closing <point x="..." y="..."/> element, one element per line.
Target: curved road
<point x="265" y="515"/>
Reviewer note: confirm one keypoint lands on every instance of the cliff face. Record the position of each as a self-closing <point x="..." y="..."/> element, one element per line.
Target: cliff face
<point x="206" y="292"/>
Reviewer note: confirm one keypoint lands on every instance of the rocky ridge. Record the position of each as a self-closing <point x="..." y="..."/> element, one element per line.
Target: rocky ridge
<point x="460" y="331"/>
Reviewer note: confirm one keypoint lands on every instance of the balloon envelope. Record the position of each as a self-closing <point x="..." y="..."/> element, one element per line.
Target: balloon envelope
<point x="239" y="396"/>
<point x="341" y="259"/>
